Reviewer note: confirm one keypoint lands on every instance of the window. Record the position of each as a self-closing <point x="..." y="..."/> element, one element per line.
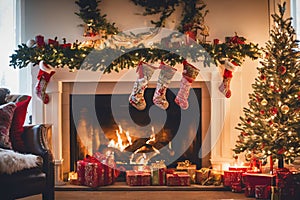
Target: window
<point x="9" y="77"/>
<point x="295" y="12"/>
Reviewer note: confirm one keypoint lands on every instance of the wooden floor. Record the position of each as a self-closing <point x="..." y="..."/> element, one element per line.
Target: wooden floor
<point x="143" y="195"/>
<point x="121" y="191"/>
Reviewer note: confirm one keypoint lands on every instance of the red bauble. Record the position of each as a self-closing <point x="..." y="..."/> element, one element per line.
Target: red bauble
<point x="263" y="77"/>
<point x="281" y="151"/>
<point x="262" y="112"/>
<point x="244" y="134"/>
<point x="274" y="111"/>
<point x="282" y="70"/>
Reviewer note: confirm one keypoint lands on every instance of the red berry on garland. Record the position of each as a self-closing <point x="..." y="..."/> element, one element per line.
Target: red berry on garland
<point x="262" y="112"/>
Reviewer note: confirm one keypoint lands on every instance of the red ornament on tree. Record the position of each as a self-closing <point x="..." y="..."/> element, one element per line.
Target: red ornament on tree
<point x="281" y="151"/>
<point x="282" y="70"/>
<point x="274" y="111"/>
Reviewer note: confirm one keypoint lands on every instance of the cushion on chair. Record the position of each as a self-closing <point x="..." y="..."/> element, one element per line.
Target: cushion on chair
<point x="3" y="93"/>
<point x="6" y="115"/>
<point x="16" y="128"/>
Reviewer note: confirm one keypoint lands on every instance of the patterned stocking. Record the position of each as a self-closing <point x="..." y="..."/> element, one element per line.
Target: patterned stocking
<point x="189" y="74"/>
<point x="45" y="73"/>
<point x="136" y="98"/>
<point x="164" y="78"/>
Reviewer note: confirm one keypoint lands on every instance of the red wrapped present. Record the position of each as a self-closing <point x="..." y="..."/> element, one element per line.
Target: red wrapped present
<point x="178" y="179"/>
<point x="251" y="180"/>
<point x="91" y="172"/>
<point x="81" y="171"/>
<point x="237" y="187"/>
<point x="94" y="174"/>
<point x="138" y="178"/>
<point x="238" y="168"/>
<point x="284" y="181"/>
<point x="249" y="191"/>
<point x="262" y="192"/>
<point x="231" y="177"/>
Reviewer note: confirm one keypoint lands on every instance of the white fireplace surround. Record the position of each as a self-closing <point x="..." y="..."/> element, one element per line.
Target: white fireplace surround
<point x="52" y="113"/>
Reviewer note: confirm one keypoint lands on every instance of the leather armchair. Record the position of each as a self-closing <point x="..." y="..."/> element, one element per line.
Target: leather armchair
<point x="39" y="180"/>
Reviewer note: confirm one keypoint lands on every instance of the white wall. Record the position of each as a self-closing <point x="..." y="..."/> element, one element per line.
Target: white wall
<point x="248" y="18"/>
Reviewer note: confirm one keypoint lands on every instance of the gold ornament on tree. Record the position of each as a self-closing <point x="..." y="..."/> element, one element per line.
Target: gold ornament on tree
<point x="264" y="102"/>
<point x="285" y="109"/>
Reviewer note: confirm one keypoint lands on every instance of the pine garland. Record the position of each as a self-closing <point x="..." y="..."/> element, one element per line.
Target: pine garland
<point x="115" y="58"/>
<point x="94" y="21"/>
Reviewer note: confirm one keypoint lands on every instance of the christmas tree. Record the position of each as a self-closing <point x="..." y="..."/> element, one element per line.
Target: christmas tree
<point x="270" y="125"/>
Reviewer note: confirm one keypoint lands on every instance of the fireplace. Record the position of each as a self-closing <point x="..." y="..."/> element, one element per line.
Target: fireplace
<point x="215" y="133"/>
<point x="106" y="123"/>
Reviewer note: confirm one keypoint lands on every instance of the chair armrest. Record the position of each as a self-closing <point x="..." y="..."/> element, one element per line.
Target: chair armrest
<point x="37" y="139"/>
<point x="36" y="142"/>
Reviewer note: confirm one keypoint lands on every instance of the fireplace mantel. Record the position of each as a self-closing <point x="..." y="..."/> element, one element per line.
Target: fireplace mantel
<point x="218" y="132"/>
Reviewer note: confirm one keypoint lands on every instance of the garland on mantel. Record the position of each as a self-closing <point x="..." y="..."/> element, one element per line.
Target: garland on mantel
<point x="98" y="54"/>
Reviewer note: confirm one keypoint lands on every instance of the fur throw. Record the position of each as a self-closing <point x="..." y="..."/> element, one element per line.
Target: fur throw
<point x="11" y="161"/>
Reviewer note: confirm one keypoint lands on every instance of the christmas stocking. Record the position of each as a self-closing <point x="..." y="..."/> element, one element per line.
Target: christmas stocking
<point x="45" y="73"/>
<point x="189" y="74"/>
<point x="166" y="74"/>
<point x="136" y="98"/>
<point x="227" y="76"/>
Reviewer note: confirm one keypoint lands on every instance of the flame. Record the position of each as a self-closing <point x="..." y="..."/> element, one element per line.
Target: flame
<point x="119" y="144"/>
<point x="152" y="137"/>
<point x="122" y="144"/>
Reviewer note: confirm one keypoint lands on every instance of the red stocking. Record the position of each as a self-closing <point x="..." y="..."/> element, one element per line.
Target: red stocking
<point x="45" y="73"/>
<point x="227" y="76"/>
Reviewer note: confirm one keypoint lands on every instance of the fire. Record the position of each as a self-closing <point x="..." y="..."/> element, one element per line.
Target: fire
<point x="120" y="144"/>
<point x="124" y="140"/>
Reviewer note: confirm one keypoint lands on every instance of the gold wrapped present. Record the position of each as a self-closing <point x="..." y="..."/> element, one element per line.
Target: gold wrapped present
<point x="188" y="167"/>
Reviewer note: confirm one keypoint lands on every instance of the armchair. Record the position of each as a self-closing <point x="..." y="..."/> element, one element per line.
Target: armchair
<point x="39" y="180"/>
<point x="15" y="138"/>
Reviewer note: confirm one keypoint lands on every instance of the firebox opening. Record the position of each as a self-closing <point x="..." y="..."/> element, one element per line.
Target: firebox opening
<point x="106" y="123"/>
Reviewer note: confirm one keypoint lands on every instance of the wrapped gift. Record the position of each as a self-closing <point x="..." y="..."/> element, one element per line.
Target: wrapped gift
<point x="236" y="187"/>
<point x="91" y="172"/>
<point x="249" y="191"/>
<point x="238" y="168"/>
<point x="284" y="180"/>
<point x="138" y="178"/>
<point x="178" y="179"/>
<point x="215" y="178"/>
<point x="81" y="171"/>
<point x="202" y="175"/>
<point x="252" y="179"/>
<point x="158" y="173"/>
<point x="275" y="193"/>
<point x="231" y="177"/>
<point x="262" y="192"/>
<point x="188" y="167"/>
<point x="94" y="174"/>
